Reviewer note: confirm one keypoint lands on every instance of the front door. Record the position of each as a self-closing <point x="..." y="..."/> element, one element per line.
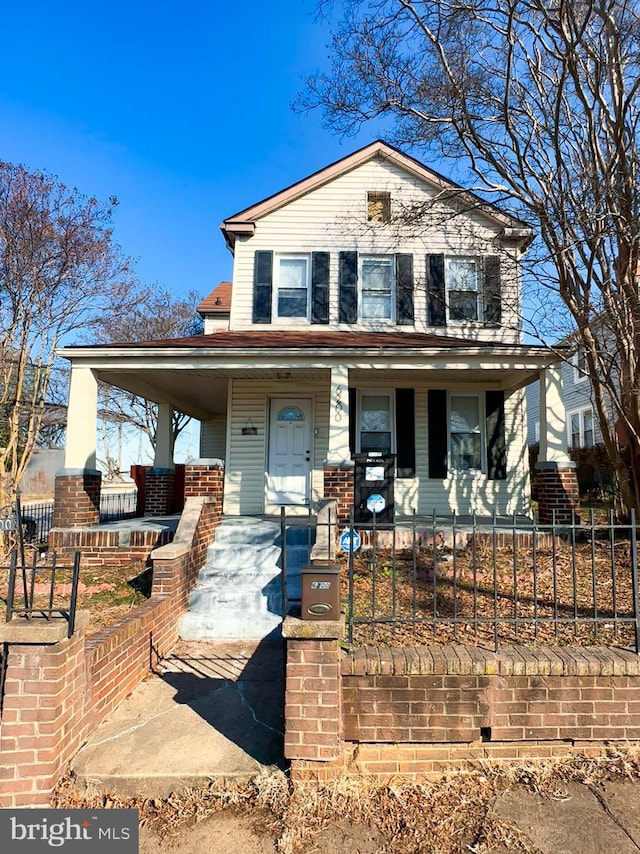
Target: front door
<point x="289" y="468"/>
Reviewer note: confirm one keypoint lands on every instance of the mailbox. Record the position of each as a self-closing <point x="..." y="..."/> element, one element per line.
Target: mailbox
<point x="373" y="487"/>
<point x="320" y="592"/>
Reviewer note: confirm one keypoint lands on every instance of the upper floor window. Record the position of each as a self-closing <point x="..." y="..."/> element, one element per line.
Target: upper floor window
<point x="291" y="291"/>
<point x="580" y="428"/>
<point x="377" y="287"/>
<point x="579" y="362"/>
<point x="464" y="294"/>
<point x="378" y="207"/>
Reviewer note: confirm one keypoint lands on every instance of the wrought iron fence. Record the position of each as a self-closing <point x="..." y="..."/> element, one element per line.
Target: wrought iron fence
<point x="37" y="517"/>
<point x="492" y="582"/>
<point x="31" y="588"/>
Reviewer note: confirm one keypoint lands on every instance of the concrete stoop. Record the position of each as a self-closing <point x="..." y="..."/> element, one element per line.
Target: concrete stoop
<point x="212" y="712"/>
<point x="238" y="595"/>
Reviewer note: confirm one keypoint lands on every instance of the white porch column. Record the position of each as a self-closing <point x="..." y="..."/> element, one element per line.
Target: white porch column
<point x="163" y="458"/>
<point x="82" y="420"/>
<point x="338" y="449"/>
<point x="553" y="419"/>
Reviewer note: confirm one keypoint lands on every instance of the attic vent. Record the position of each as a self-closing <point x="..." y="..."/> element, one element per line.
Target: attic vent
<point x="378" y="207"/>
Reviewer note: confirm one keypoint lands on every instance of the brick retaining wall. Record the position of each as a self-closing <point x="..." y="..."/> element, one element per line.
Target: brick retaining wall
<point x="420" y="711"/>
<point x="58" y="692"/>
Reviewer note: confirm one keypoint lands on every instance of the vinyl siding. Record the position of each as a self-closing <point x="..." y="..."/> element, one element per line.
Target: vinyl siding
<point x="245" y="470"/>
<point x="332" y="218"/>
<point x="213" y="438"/>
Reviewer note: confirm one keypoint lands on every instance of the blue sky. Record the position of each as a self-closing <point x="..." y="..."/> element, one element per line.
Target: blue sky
<point x="182" y="112"/>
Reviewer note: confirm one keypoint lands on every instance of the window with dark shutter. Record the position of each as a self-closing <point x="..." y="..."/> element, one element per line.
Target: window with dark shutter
<point x="496" y="443"/>
<point x="438" y="438"/>
<point x="435" y="290"/>
<point x="405" y="433"/>
<point x="492" y="291"/>
<point x="320" y="287"/>
<point x="262" y="286"/>
<point x="348" y="286"/>
<point x="404" y="290"/>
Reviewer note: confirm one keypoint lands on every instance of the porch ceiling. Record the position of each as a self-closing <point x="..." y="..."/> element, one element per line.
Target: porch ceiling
<point x="202" y="392"/>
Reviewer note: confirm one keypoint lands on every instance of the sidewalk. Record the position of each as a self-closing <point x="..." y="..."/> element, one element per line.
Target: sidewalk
<point x="215" y="710"/>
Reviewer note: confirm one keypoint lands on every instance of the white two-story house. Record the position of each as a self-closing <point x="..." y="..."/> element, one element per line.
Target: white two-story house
<point x="374" y="309"/>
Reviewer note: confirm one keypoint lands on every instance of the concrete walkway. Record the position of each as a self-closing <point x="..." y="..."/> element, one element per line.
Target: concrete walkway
<point x="214" y="710"/>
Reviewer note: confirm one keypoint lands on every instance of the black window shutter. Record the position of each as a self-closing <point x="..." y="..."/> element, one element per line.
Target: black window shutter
<point x="404" y="289"/>
<point x="437" y="425"/>
<point x="348" y="278"/>
<point x="405" y="433"/>
<point x="352" y="420"/>
<point x="496" y="444"/>
<point x="262" y="279"/>
<point x="492" y="294"/>
<point x="435" y="290"/>
<point x="320" y="287"/>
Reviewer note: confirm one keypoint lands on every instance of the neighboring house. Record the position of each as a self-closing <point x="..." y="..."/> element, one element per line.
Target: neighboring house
<point x="583" y="430"/>
<point x="374" y="308"/>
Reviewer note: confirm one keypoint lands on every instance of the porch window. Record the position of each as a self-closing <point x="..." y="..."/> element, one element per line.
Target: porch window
<point x="580" y="428"/>
<point x="464" y="297"/>
<point x="292" y="286"/>
<point x="376" y="284"/>
<point x="465" y="432"/>
<point x="375" y="420"/>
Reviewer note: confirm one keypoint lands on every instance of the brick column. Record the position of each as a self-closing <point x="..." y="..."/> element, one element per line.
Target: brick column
<point x="159" y="492"/>
<point x="42" y="724"/>
<point x="557" y="488"/>
<point x="313" y="713"/>
<point x="204" y="477"/>
<point x="338" y="484"/>
<point x="77" y="498"/>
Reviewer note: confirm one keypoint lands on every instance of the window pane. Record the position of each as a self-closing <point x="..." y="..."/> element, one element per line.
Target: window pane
<point x="466" y="442"/>
<point x="463" y="305"/>
<point x="462" y="274"/>
<point x="292" y="303"/>
<point x="375" y="423"/>
<point x="379" y="307"/>
<point x="588" y="428"/>
<point x="376" y="274"/>
<point x="575" y="430"/>
<point x="375" y="442"/>
<point x="293" y="272"/>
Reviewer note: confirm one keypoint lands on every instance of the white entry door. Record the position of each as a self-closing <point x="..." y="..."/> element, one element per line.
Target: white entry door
<point x="290" y="449"/>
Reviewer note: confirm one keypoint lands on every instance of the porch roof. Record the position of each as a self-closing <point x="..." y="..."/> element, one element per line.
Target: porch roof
<point x="192" y="374"/>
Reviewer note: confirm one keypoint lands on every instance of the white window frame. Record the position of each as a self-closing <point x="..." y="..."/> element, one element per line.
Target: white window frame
<point x="362" y="291"/>
<point x="580" y="413"/>
<point x="448" y="262"/>
<point x="479" y="396"/>
<point x="290" y="256"/>
<point x="579" y="370"/>
<point x="374" y="392"/>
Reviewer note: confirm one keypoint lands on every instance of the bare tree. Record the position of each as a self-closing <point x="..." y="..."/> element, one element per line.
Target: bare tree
<point x="156" y="316"/>
<point x="59" y="269"/>
<point x="538" y="99"/>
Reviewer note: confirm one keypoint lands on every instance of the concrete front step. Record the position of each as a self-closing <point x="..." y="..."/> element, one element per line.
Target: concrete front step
<point x="238" y="595"/>
<point x="213" y="712"/>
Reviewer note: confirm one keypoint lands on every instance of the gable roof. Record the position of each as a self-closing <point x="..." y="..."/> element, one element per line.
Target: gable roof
<point x="218" y="301"/>
<point x="243" y="222"/>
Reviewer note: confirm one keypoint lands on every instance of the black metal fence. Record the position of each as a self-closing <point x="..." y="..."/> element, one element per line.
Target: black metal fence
<point x="37" y="517"/>
<point x="34" y="588"/>
<point x="492" y="582"/>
